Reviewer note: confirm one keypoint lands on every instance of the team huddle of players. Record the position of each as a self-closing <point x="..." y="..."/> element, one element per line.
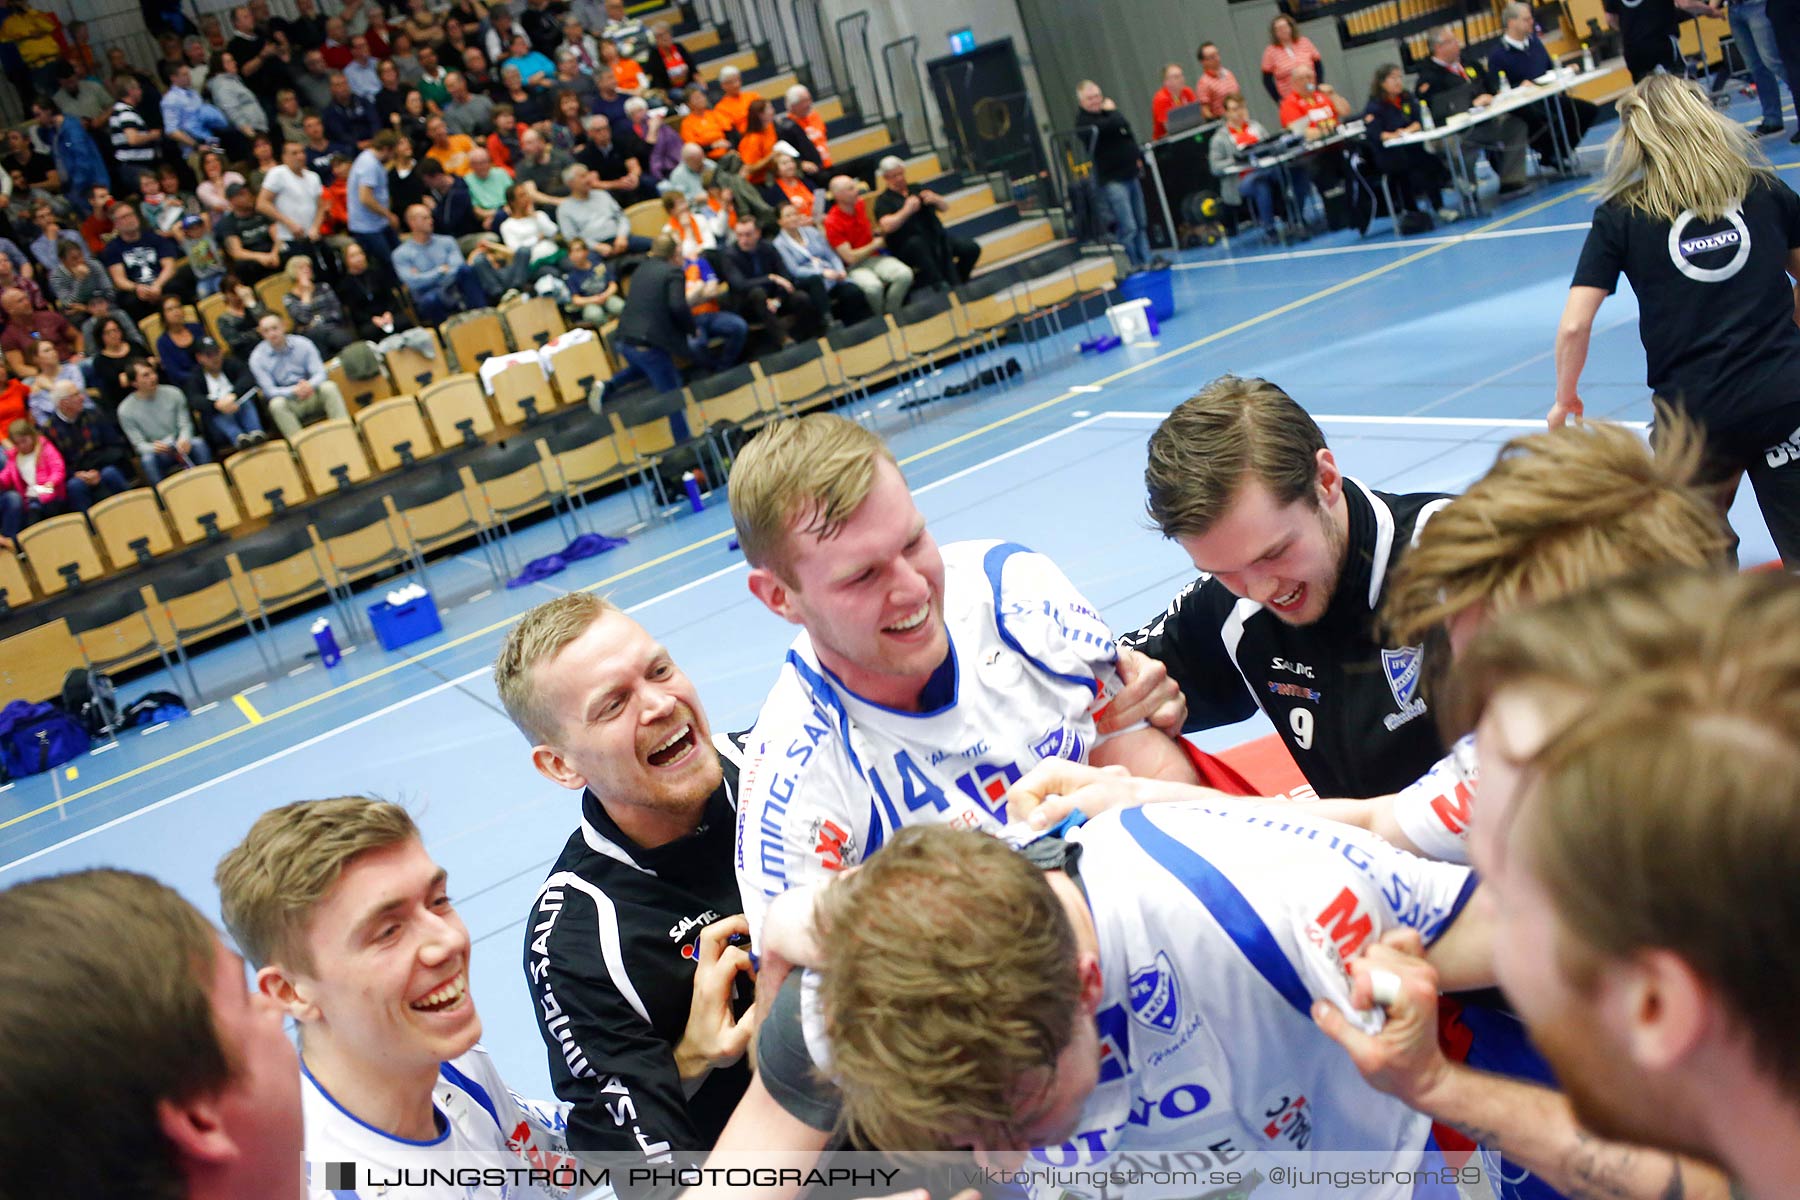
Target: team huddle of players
<point x="1070" y="937"/>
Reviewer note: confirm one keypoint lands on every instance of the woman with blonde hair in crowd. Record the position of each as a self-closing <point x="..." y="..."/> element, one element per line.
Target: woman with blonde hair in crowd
<point x="1709" y="237"/>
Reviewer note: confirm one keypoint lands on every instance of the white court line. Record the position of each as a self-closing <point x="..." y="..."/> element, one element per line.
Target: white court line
<point x="1411" y="243"/>
<point x="1422" y="422"/>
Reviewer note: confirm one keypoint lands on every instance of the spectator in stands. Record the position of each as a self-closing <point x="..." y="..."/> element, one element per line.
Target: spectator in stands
<point x="13" y="277"/>
<point x="1239" y="184"/>
<point x="815" y="266"/>
<point x="1446" y="82"/>
<point x="238" y="323"/>
<point x="765" y="293"/>
<point x="690" y="177"/>
<point x="405" y="185"/>
<point x="136" y="143"/>
<point x="372" y="222"/>
<point x="209" y="1104"/>
<point x="452" y="206"/>
<point x="665" y="143"/>
<point x="628" y="73"/>
<point x="1287" y="49"/>
<point x="360" y="71"/>
<point x="528" y="105"/>
<point x="451" y="150"/>
<point x="371" y="296"/>
<point x="26" y="326"/>
<point x="175" y="344"/>
<point x="234" y="97"/>
<point x="579" y="42"/>
<point x="1174" y="93"/>
<point x="1417" y="174"/>
<point x="96" y="457"/>
<point x="1214" y="83"/>
<point x="566" y="131"/>
<point x="431" y="80"/>
<point x="466" y="112"/>
<point x="756" y="145"/>
<point x="292" y="198"/>
<point x="51" y="237"/>
<point x="787" y="186"/>
<point x="571" y="84"/>
<point x="734" y="103"/>
<point x="884" y="279"/>
<point x="77" y="159"/>
<point x="536" y="71"/>
<point x="83" y="98"/>
<point x="1117" y="165"/>
<point x="487" y="185"/>
<point x="804" y="130"/>
<point x="215" y="177"/>
<point x="912" y="232"/>
<point x="110" y="366"/>
<point x="315" y="310"/>
<point x="593" y="290"/>
<point x="529" y="234"/>
<point x="292" y="377"/>
<point x="155" y="419"/>
<point x="51" y="370"/>
<point x="248" y="237"/>
<point x="704" y="127"/>
<point x="350" y="119"/>
<point x="305" y="30"/>
<point x="436" y="273"/>
<point x="626" y="33"/>
<point x="694" y="236"/>
<point x="656" y="326"/>
<point x="671" y="68"/>
<point x="478" y="73"/>
<point x="77" y="278"/>
<point x="594" y="217"/>
<point x="312" y="84"/>
<point x="541" y="168"/>
<point x="191" y="122"/>
<point x="15" y="396"/>
<point x="618" y="169"/>
<point x="32" y="482"/>
<point x="1521" y="57"/>
<point x="220" y="389"/>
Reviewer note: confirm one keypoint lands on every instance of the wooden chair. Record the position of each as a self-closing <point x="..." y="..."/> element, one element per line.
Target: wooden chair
<point x="199" y="601"/>
<point x="575" y="369"/>
<point x="210" y="307"/>
<point x="131" y="528"/>
<point x="283" y="566"/>
<point x="15" y="588"/>
<point x="647" y="428"/>
<point x="115" y="630"/>
<point x="331" y="455"/>
<point x="358" y="538"/>
<point x="264" y="475"/>
<point x="862" y="355"/>
<point x="396" y="433"/>
<point x="272" y="291"/>
<point x="475" y="338"/>
<point x="60" y="550"/>
<point x="458" y="411"/>
<point x="521" y="393"/>
<point x="435" y="510"/>
<point x="647" y="218"/>
<point x="583" y="457"/>
<point x="533" y="322"/>
<point x="358" y="393"/>
<point x="413" y="371"/>
<point x="199" y="503"/>
<point x="152" y="326"/>
<point x="798" y="378"/>
<point x="512" y="481"/>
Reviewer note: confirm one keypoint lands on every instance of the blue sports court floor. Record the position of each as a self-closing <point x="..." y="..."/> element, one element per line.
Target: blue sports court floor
<point x="1420" y="358"/>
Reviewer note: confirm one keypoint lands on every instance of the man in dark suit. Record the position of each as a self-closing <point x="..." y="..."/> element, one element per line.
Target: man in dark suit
<point x="453" y="212"/>
<point x="655" y="326"/>
<point x="1449" y="85"/>
<point x="1520" y="58"/>
<point x="766" y="294"/>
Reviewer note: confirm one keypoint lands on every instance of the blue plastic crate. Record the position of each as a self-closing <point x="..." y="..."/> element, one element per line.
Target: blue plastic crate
<point x="398" y="625"/>
<point x="1158" y="287"/>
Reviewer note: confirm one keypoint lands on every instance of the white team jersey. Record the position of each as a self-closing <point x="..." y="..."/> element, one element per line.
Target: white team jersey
<point x="1435" y="811"/>
<point x="829" y="776"/>
<point x="519" y="1144"/>
<point x="1219" y="924"/>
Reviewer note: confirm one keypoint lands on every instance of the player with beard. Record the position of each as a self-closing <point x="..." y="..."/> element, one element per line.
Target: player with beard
<point x="1644" y="942"/>
<point x="349" y="925"/>
<point x="923" y="683"/>
<point x="1294" y="558"/>
<point x="628" y="950"/>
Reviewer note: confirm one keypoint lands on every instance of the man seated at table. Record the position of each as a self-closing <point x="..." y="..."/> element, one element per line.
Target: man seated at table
<point x="910" y="226"/>
<point x="1521" y="58"/>
<point x="1450" y="86"/>
<point x="1312" y="108"/>
<point x="291" y="375"/>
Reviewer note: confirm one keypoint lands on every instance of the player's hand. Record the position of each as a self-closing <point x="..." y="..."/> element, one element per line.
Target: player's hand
<point x="1056" y="787"/>
<point x="714" y="1037"/>
<point x="1404" y="1059"/>
<point x="1148" y="695"/>
<point x="1562" y="410"/>
<point x="789" y="940"/>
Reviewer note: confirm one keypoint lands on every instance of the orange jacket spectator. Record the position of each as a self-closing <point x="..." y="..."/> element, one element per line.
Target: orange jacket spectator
<point x="706" y="130"/>
<point x="628" y="75"/>
<point x="736" y="108"/>
<point x="12" y="399"/>
<point x="754" y="147"/>
<point x="1166" y="99"/>
<point x="814" y="126"/>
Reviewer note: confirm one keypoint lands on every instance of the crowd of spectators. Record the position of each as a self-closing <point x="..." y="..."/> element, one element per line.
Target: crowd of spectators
<point x="398" y="168"/>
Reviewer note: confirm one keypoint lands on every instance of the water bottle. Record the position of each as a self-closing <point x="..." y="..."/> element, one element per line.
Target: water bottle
<point x="1505" y="83"/>
<point x="1426" y="120"/>
<point x="691" y="486"/>
<point x="329" y="654"/>
<point x="1587" y="58"/>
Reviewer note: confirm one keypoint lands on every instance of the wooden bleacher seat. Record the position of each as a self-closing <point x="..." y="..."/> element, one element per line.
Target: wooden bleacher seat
<point x="388" y="425"/>
<point x="413" y="371"/>
<point x="210" y="307"/>
<point x="451" y="403"/>
<point x="199" y="492"/>
<point x="271" y="291"/>
<point x="647" y="218"/>
<point x="533" y="322"/>
<point x="326" y="446"/>
<point x="15" y="588"/>
<point x="519" y="382"/>
<point x="60" y="542"/>
<point x="577" y="369"/>
<point x="476" y="338"/>
<point x="127" y="518"/>
<point x="358" y="393"/>
<point x="257" y="472"/>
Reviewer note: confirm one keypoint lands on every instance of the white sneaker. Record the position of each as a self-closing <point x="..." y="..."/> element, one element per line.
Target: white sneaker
<point x="1446" y="216"/>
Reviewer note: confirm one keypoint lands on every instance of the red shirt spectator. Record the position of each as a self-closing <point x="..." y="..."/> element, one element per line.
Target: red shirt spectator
<point x="13" y="397"/>
<point x="1172" y="94"/>
<point x="23" y="332"/>
<point x="1281" y="57"/>
<point x="850" y="228"/>
<point x="1211" y="89"/>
